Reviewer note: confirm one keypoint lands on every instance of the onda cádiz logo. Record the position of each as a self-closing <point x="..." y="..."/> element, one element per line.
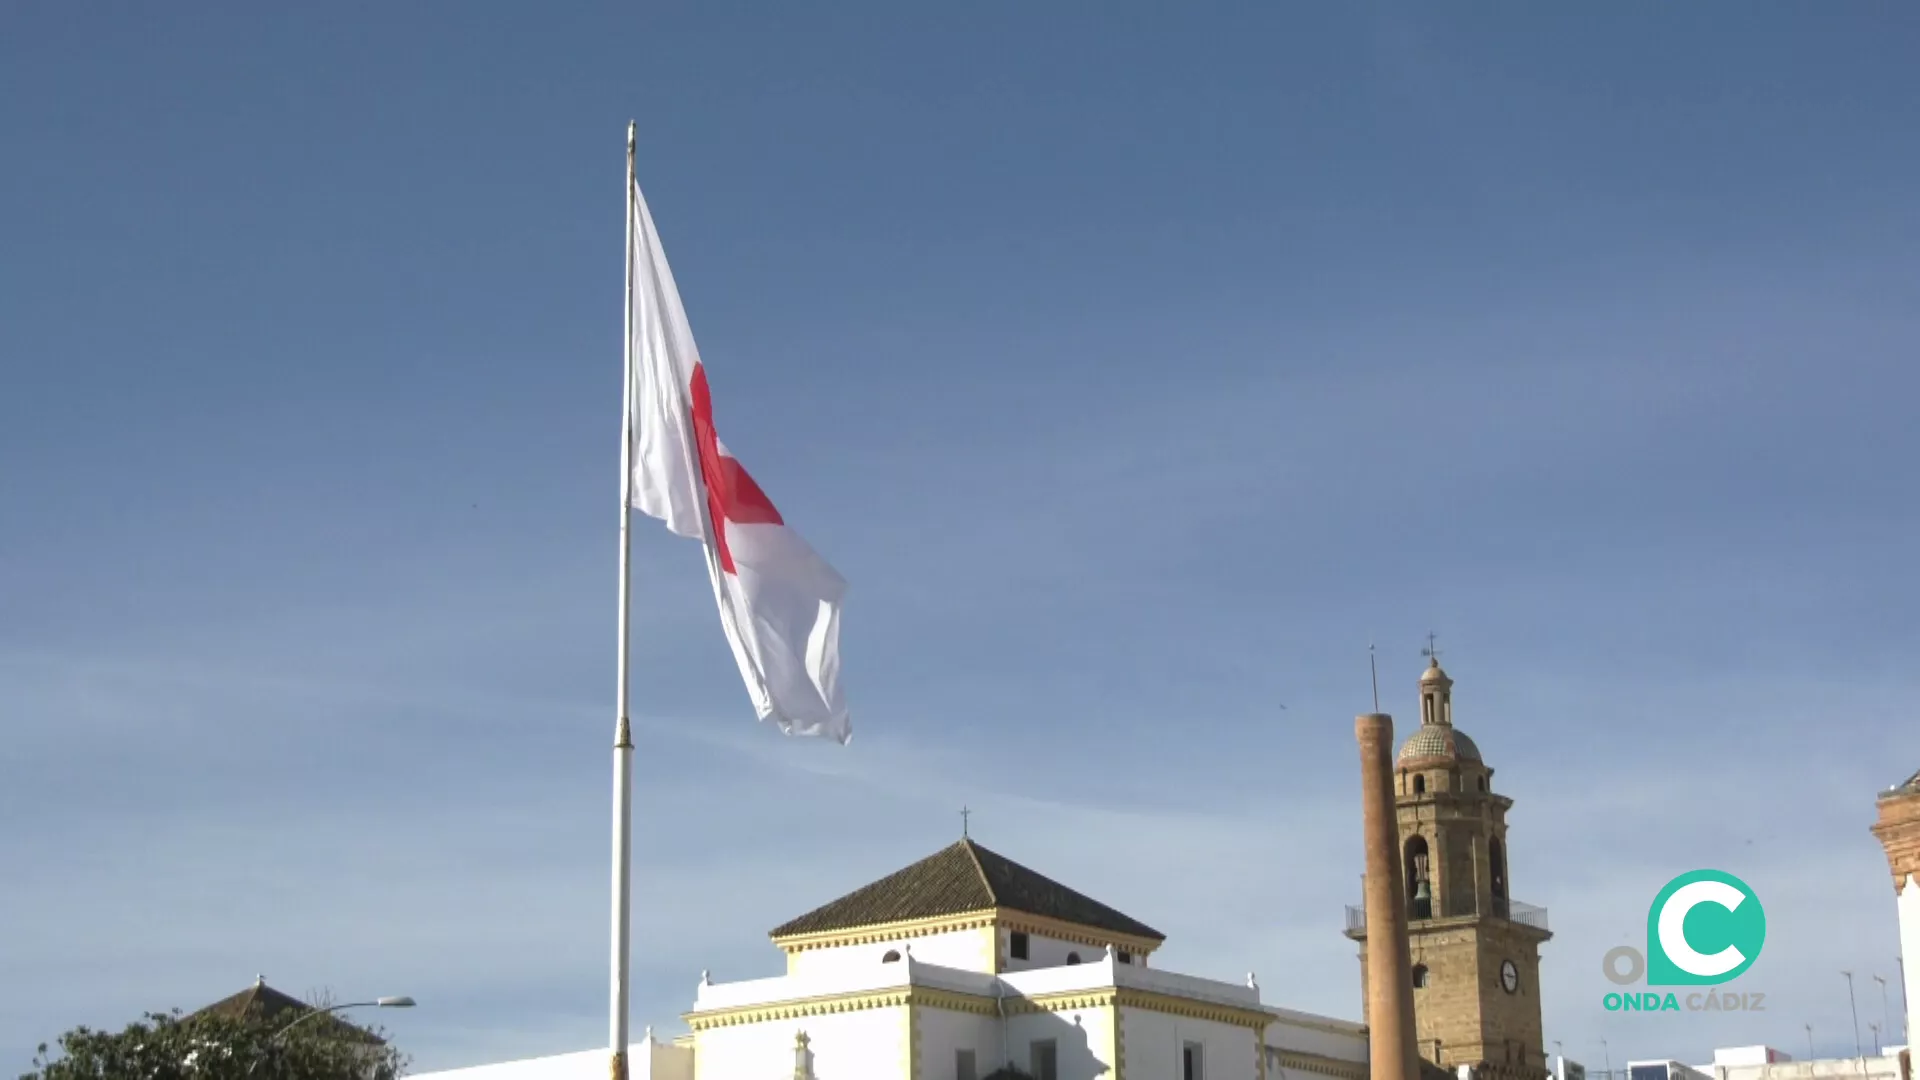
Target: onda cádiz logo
<point x="1705" y="928"/>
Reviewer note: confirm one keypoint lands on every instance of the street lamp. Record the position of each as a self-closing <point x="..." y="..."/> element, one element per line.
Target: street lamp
<point x="1905" y="1005"/>
<point x="400" y="1002"/>
<point x="1886" y="1014"/>
<point x="1859" y="1051"/>
<point x="1809" y="1028"/>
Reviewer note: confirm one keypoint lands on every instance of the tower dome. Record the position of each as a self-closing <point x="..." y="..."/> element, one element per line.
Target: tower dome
<point x="1436" y="736"/>
<point x="1439" y="741"/>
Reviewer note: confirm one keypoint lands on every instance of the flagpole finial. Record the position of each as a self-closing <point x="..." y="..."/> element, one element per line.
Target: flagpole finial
<point x="629" y="135"/>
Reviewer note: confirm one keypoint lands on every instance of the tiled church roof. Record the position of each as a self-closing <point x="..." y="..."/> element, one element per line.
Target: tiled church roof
<point x="961" y="878"/>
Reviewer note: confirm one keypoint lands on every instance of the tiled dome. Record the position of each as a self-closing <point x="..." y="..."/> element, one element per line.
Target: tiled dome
<point x="1439" y="740"/>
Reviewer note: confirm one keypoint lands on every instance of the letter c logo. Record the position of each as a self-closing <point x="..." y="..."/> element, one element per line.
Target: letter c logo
<point x="1723" y="942"/>
<point x="1673" y="932"/>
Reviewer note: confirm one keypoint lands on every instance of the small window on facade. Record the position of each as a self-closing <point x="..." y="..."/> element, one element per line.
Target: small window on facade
<point x="963" y="1068"/>
<point x="1073" y="958"/>
<point x="1192" y="1065"/>
<point x="1483" y="783"/>
<point x="1123" y="956"/>
<point x="1045" y="1059"/>
<point x="1017" y="945"/>
<point x="1419" y="785"/>
<point x="892" y="956"/>
<point x="1419" y="975"/>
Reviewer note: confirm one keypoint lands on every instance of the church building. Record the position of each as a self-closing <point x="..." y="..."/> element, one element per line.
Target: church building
<point x="967" y="965"/>
<point x="959" y="966"/>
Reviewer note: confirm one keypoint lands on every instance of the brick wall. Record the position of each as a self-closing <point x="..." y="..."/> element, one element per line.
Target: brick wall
<point x="1899" y="832"/>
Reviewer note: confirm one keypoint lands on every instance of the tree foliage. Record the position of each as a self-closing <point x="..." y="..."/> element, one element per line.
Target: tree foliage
<point x="167" y="1046"/>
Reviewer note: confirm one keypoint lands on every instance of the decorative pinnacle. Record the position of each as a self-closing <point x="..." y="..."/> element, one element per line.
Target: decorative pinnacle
<point x="622" y="735"/>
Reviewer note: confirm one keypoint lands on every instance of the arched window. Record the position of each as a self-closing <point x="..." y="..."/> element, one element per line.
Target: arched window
<point x="1419" y="892"/>
<point x="1419" y="785"/>
<point x="1497" y="862"/>
<point x="1419" y="976"/>
<point x="1073" y="958"/>
<point x="893" y="956"/>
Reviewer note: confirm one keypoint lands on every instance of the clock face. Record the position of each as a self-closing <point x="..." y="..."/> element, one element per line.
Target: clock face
<point x="1509" y="976"/>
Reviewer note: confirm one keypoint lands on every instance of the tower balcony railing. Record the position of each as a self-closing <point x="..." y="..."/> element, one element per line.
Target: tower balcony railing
<point x="1511" y="910"/>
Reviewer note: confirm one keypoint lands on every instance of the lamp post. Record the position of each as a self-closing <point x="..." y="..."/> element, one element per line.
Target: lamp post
<point x="401" y="1002"/>
<point x="1858" y="1050"/>
<point x="1886" y="1013"/>
<point x="1901" y="963"/>
<point x="1607" y="1056"/>
<point x="1809" y="1028"/>
<point x="1875" y="1028"/>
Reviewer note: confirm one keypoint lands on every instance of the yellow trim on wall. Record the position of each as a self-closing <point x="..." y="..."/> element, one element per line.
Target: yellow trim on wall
<point x="1315" y="1063"/>
<point x="991" y="919"/>
<point x="1149" y="1000"/>
<point x="1190" y="1009"/>
<point x="893" y="931"/>
<point x="1066" y="931"/>
<point x="1062" y="1002"/>
<point x="800" y="1008"/>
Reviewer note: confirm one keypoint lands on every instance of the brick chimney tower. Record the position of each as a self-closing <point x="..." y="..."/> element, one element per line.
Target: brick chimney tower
<point x="1898" y="830"/>
<point x="1390" y="1048"/>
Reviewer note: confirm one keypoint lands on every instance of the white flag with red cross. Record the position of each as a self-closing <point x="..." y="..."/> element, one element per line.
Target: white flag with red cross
<point x="779" y="602"/>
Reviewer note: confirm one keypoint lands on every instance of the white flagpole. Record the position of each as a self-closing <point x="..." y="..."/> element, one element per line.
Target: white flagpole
<point x="622" y="734"/>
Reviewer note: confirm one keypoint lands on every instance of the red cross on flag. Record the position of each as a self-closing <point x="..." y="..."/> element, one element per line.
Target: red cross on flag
<point x="779" y="602"/>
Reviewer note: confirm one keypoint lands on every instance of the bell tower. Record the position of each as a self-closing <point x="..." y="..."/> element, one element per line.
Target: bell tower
<point x="1475" y="950"/>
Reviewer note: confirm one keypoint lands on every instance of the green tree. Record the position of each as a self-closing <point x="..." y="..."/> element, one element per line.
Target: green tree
<point x="167" y="1046"/>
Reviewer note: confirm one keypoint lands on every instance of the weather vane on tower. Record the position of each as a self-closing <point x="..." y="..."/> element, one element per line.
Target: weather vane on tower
<point x="1432" y="651"/>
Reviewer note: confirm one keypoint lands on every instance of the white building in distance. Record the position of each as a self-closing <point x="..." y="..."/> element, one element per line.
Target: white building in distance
<point x="964" y="964"/>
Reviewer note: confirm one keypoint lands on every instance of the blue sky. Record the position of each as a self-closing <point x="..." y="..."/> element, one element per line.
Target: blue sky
<point x="1137" y="364"/>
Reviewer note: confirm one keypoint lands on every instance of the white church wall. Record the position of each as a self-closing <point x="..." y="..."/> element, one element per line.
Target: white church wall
<point x="1046" y="952"/>
<point x="820" y="982"/>
<point x="868" y="1044"/>
<point x="1153" y="1043"/>
<point x="943" y="1033"/>
<point x="1082" y="1040"/>
<point x="1909" y="909"/>
<point x="1187" y="986"/>
<point x="968" y="949"/>
<point x="655" y="1061"/>
<point x="1321" y="1036"/>
<point x="664" y="1061"/>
